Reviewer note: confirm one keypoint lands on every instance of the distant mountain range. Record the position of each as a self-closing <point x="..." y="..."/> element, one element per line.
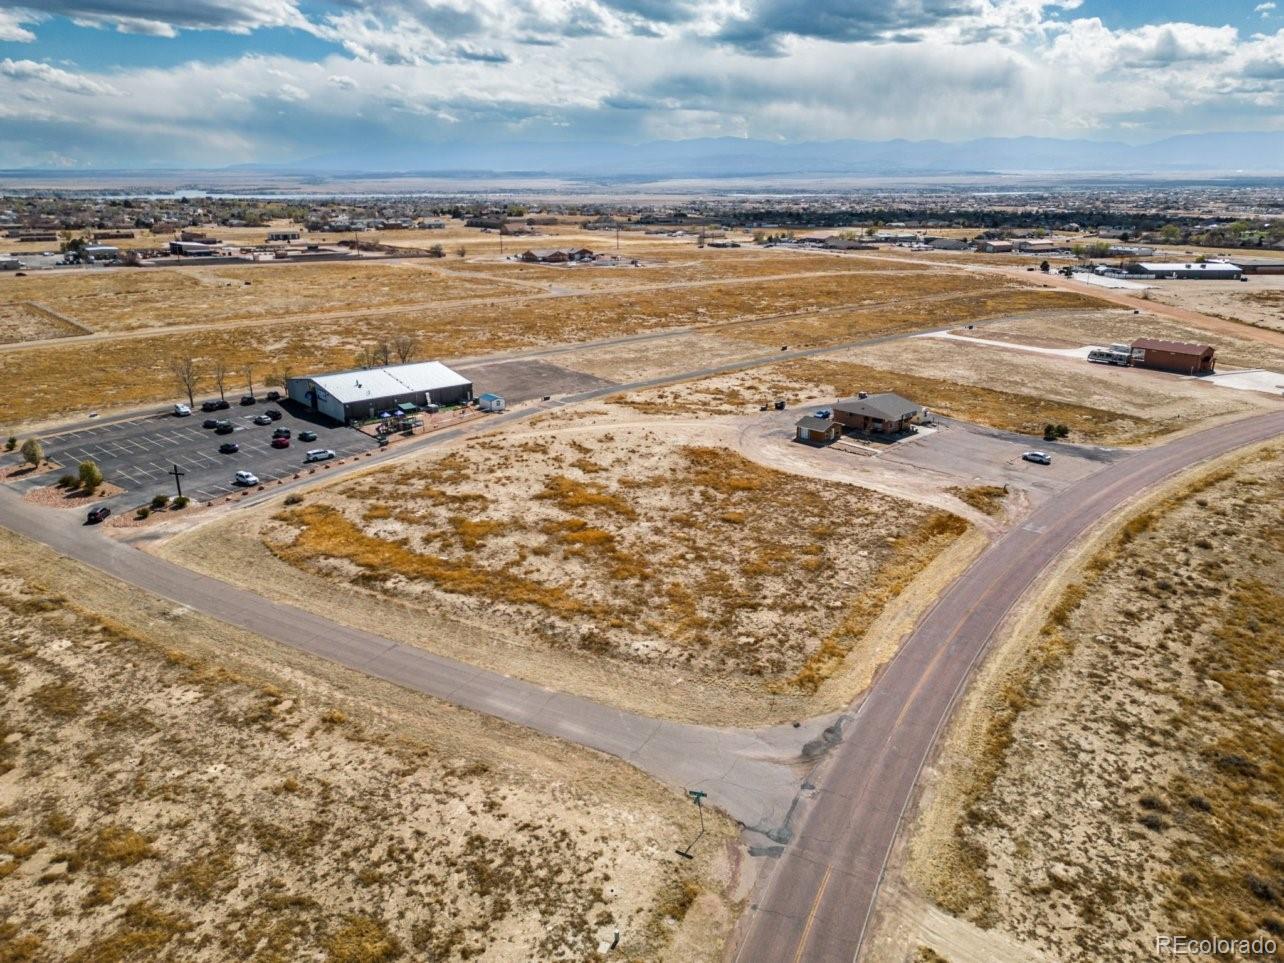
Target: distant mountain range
<point x="1229" y="153"/>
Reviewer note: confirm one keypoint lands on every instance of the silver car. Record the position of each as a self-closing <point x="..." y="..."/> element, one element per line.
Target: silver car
<point x="319" y="454"/>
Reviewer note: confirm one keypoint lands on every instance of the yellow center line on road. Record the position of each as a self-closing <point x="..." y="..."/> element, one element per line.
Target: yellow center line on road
<point x="811" y="917"/>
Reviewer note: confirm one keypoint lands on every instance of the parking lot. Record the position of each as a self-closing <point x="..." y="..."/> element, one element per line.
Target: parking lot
<point x="139" y="454"/>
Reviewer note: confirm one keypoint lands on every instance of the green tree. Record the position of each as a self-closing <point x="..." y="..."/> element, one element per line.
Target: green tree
<point x="33" y="452"/>
<point x="11" y="444"/>
<point x="91" y="476"/>
<point x="1170" y="233"/>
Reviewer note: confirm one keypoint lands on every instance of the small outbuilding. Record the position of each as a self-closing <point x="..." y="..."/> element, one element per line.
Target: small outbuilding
<point x="817" y="431"/>
<point x="886" y="413"/>
<point x="489" y="401"/>
<point x="1176" y="356"/>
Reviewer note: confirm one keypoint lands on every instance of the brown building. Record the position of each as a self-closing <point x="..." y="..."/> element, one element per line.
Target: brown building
<point x="817" y="431"/>
<point x="1175" y="356"/>
<point x="886" y="413"/>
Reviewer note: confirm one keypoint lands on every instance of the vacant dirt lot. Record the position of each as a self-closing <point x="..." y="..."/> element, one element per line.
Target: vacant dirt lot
<point x="1117" y="774"/>
<point x="24" y="321"/>
<point x="173" y="791"/>
<point x="1259" y="300"/>
<point x="616" y="561"/>
<point x="124" y="300"/>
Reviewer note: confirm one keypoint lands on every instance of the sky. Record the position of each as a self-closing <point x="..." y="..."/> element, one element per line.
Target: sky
<point x="208" y="83"/>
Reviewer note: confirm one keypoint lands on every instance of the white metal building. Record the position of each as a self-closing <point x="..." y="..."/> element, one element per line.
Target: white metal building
<point x="366" y="393"/>
<point x="1210" y="270"/>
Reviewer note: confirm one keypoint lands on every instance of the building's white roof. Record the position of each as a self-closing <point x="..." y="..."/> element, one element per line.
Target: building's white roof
<point x="1161" y="268"/>
<point x="347" y="387"/>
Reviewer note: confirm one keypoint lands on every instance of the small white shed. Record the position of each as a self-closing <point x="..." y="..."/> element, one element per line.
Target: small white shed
<point x="489" y="401"/>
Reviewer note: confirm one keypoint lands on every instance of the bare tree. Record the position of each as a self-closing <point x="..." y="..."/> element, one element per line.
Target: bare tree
<point x="184" y="370"/>
<point x="461" y="251"/>
<point x="248" y="371"/>
<point x="382" y="352"/>
<point x="220" y="378"/>
<point x="403" y="346"/>
<point x="366" y="357"/>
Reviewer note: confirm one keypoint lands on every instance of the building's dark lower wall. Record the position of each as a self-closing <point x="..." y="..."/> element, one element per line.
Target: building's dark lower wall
<point x="455" y="395"/>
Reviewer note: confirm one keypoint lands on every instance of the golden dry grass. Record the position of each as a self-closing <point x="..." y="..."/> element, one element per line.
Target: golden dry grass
<point x="176" y="808"/>
<point x="1160" y="669"/>
<point x="664" y="556"/>
<point x="41" y="381"/>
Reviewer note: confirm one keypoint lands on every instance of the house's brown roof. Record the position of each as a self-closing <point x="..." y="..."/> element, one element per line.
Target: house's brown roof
<point x="888" y="406"/>
<point x="812" y="423"/>
<point x="1173" y="347"/>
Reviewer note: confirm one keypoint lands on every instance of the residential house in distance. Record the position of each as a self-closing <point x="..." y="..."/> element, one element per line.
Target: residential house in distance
<point x="287" y="236"/>
<point x="556" y="255"/>
<point x="946" y="243"/>
<point x="994" y="247"/>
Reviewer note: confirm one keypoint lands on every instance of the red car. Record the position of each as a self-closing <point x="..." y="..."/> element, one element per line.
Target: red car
<point x="280" y="442"/>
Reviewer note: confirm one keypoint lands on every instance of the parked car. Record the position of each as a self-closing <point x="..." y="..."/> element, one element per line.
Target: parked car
<point x="210" y="423"/>
<point x="273" y="414"/>
<point x="224" y="428"/>
<point x="1038" y="457"/>
<point x="262" y="420"/>
<point x="274" y="396"/>
<point x="307" y="436"/>
<point x="182" y="411"/>
<point x="228" y="448"/>
<point x="248" y="399"/>
<point x="824" y="413"/>
<point x="96" y="515"/>
<point x="280" y="432"/>
<point x="216" y="404"/>
<point x="319" y="454"/>
<point x="280" y="442"/>
<point x="244" y="478"/>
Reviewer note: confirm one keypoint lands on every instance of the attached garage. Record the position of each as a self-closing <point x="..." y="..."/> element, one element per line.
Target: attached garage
<point x="363" y="394"/>
<point x="817" y="431"/>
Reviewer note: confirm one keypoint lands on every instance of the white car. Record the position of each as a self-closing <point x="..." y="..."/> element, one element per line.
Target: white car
<point x="182" y="411"/>
<point x="246" y="478"/>
<point x="1038" y="457"/>
<point x="319" y="454"/>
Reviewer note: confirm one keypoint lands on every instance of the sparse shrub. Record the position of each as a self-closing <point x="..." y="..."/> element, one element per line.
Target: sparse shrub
<point x="181" y="502"/>
<point x="11" y="444"/>
<point x="1153" y="821"/>
<point x="294" y="499"/>
<point x="68" y="481"/>
<point x="143" y="512"/>
<point x="159" y="502"/>
<point x="91" y="475"/>
<point x="1049" y="432"/>
<point x="33" y="453"/>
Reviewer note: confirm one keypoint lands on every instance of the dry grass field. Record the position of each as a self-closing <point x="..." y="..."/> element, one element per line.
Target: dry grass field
<point x="952" y="300"/>
<point x="1258" y="301"/>
<point x="125" y="300"/>
<point x="44" y="379"/>
<point x="24" y="321"/>
<point x="170" y="792"/>
<point x="611" y="561"/>
<point x="1120" y="774"/>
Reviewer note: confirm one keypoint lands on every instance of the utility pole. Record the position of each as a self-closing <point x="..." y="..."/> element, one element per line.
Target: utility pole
<point x="178" y="474"/>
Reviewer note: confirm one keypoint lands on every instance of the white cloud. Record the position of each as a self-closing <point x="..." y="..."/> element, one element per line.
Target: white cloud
<point x="1264" y="9"/>
<point x="165" y="18"/>
<point x="408" y="74"/>
<point x="45" y="75"/>
<point x="12" y="27"/>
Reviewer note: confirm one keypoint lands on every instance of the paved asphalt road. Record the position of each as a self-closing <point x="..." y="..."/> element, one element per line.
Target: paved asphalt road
<point x="817" y="901"/>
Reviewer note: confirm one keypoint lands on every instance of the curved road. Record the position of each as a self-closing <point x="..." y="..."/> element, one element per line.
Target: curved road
<point x="816" y="903"/>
